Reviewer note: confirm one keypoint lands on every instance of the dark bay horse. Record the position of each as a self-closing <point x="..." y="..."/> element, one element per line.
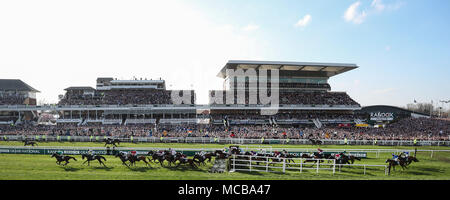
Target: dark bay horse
<point x="112" y="141"/>
<point x="156" y="156"/>
<point x="315" y="142"/>
<point x="90" y="158"/>
<point x="184" y="160"/>
<point x="60" y="158"/>
<point x="123" y="158"/>
<point x="135" y="158"/>
<point x="26" y="142"/>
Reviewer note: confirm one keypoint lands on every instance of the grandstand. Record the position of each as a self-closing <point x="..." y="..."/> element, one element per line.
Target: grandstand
<point x="16" y="92"/>
<point x="307" y="108"/>
<point x="305" y="96"/>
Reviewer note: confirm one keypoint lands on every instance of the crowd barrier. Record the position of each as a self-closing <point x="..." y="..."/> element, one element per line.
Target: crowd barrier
<point x="206" y="140"/>
<point x="282" y="165"/>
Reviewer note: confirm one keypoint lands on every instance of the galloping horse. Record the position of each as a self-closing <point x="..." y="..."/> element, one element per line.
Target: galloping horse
<point x="183" y="160"/>
<point x="315" y="142"/>
<point x="220" y="154"/>
<point x="135" y="158"/>
<point x="393" y="163"/>
<point x="112" y="141"/>
<point x="123" y="158"/>
<point x="60" y="158"/>
<point x="26" y="142"/>
<point x="90" y="158"/>
<point x="156" y="156"/>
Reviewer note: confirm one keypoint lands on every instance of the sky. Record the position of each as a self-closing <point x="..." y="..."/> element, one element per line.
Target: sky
<point x="402" y="47"/>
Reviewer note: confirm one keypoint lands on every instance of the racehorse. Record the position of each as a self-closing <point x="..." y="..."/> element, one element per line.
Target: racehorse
<point x="90" y="158"/>
<point x="393" y="163"/>
<point x="123" y="158"/>
<point x="183" y="160"/>
<point x="315" y="142"/>
<point x="156" y="156"/>
<point x="26" y="142"/>
<point x="199" y="159"/>
<point x="112" y="141"/>
<point x="408" y="160"/>
<point x="59" y="158"/>
<point x="135" y="158"/>
<point x="220" y="154"/>
<point x="170" y="158"/>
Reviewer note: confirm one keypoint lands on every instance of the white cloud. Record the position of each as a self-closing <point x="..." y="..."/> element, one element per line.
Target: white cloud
<point x="304" y="21"/>
<point x="378" y="5"/>
<point x="251" y="27"/>
<point x="352" y="14"/>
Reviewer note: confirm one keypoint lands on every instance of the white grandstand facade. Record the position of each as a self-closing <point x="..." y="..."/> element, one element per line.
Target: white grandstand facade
<point x="305" y="99"/>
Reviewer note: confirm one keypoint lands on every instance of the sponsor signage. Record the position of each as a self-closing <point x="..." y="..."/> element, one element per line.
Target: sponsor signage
<point x="381" y="116"/>
<point x="139" y="152"/>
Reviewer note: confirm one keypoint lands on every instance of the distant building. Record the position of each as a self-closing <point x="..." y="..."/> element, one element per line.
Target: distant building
<point x="16" y="92"/>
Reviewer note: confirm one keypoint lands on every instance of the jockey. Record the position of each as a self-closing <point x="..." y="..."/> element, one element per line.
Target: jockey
<point x="90" y="152"/>
<point x="174" y="152"/>
<point x="277" y="154"/>
<point x="404" y="155"/>
<point x="395" y="158"/>
<point x="337" y="156"/>
<point x="202" y="154"/>
<point x="60" y="153"/>
<point x="320" y="151"/>
<point x="285" y="152"/>
<point x="262" y="151"/>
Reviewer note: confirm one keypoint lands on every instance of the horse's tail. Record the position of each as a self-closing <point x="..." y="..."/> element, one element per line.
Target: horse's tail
<point x="72" y="158"/>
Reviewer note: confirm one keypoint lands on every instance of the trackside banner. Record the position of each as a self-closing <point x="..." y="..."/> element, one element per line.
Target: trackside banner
<point x="68" y="151"/>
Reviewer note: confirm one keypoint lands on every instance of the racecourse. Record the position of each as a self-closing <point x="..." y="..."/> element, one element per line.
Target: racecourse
<point x="42" y="167"/>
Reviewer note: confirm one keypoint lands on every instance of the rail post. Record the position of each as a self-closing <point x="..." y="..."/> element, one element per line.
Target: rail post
<point x="301" y="165"/>
<point x="284" y="165"/>
<point x="234" y="162"/>
<point x="431" y="154"/>
<point x="334" y="166"/>
<point x="317" y="170"/>
<point x="250" y="161"/>
<point x="267" y="164"/>
<point x="364" y="169"/>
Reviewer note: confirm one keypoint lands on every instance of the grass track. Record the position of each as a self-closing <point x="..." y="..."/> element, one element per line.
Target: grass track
<point x="42" y="167"/>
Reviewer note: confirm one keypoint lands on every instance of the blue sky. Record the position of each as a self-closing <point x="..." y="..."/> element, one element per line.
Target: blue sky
<point x="402" y="47"/>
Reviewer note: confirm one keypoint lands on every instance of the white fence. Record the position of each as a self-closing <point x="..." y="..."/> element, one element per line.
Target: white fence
<point x="280" y="165"/>
<point x="227" y="140"/>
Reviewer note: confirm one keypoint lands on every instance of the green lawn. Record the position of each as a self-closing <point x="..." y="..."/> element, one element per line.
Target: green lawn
<point x="42" y="167"/>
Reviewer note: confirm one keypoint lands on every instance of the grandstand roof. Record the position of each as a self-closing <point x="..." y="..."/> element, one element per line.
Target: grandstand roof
<point x="15" y="84"/>
<point x="291" y="68"/>
<point x="80" y="88"/>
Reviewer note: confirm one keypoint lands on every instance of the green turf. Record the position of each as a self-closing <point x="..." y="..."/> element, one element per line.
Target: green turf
<point x="42" y="167"/>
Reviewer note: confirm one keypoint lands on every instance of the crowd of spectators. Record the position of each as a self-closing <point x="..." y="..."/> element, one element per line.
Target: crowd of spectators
<point x="405" y="129"/>
<point x="294" y="98"/>
<point x="12" y="100"/>
<point x="122" y="97"/>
